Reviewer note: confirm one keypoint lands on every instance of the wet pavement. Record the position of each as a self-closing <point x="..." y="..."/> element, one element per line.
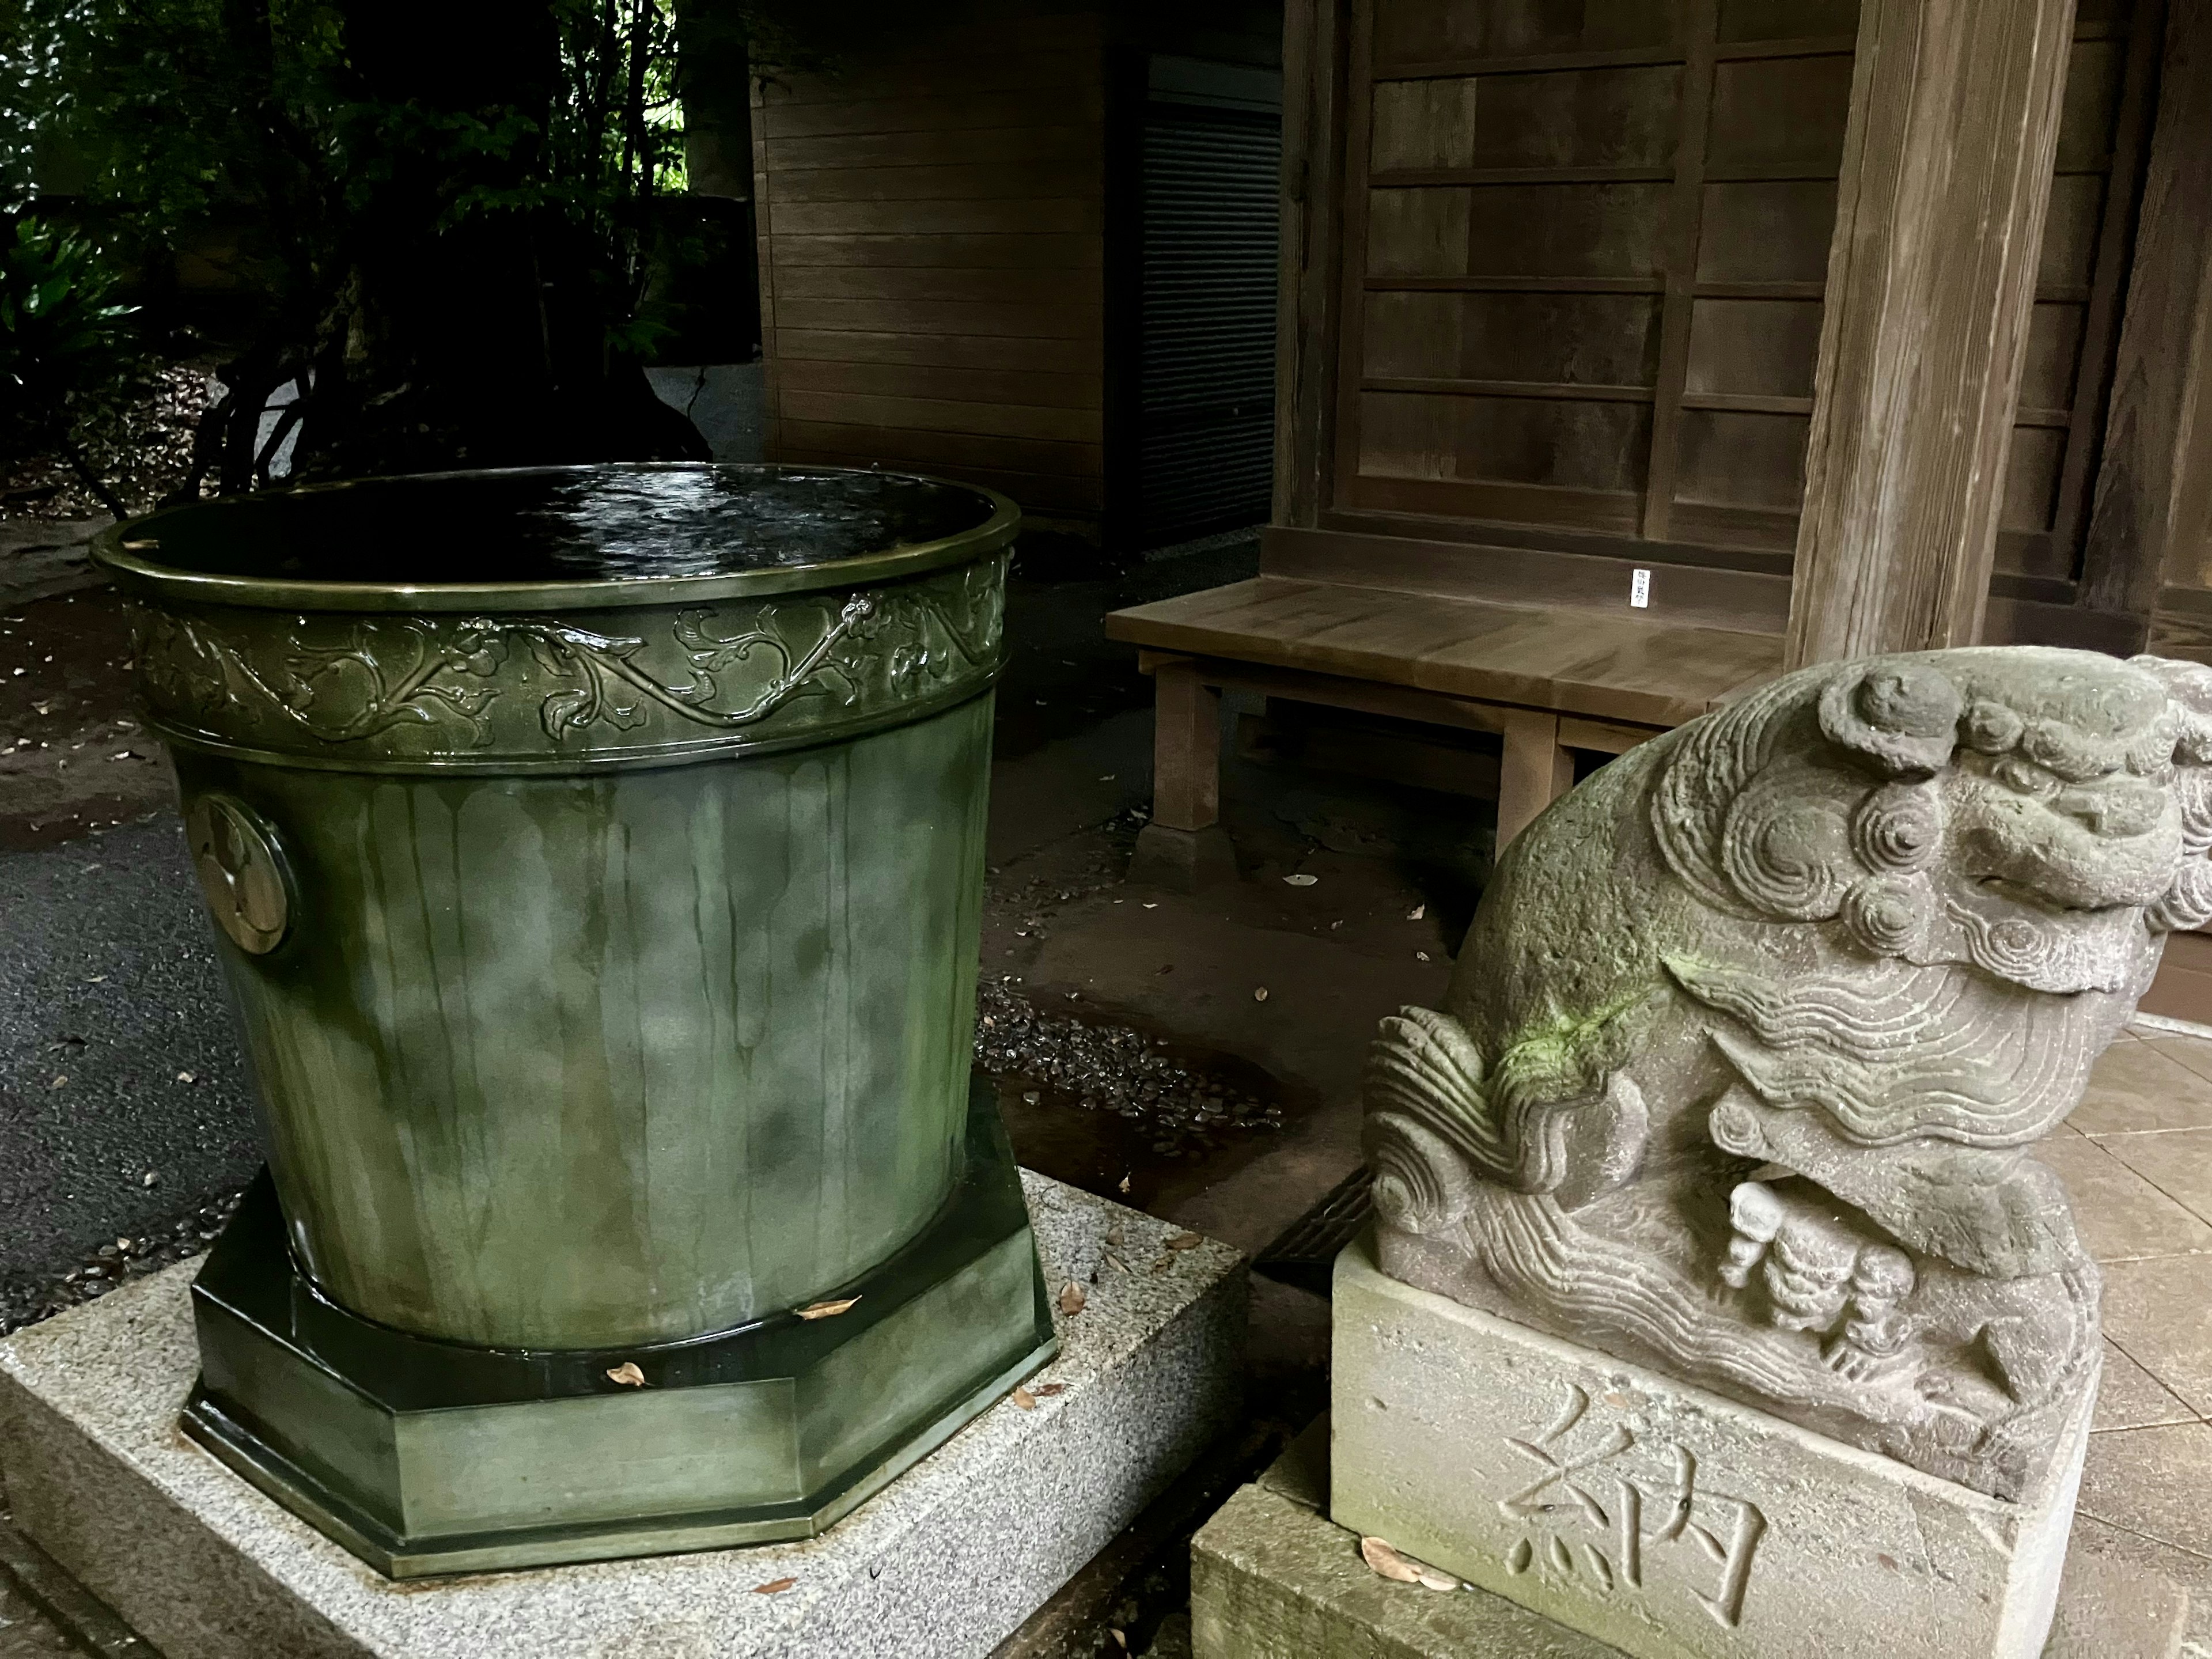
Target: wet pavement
<point x="123" y="1097"/>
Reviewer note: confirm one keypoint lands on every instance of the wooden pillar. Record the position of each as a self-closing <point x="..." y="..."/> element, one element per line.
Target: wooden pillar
<point x="1931" y="279"/>
<point x="1314" y="50"/>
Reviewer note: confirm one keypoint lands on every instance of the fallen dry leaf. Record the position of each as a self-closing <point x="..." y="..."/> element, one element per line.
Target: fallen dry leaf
<point x="825" y="1309"/>
<point x="1046" y="1390"/>
<point x="1024" y="1399"/>
<point x="1386" y="1563"/>
<point x="1300" y="880"/>
<point x="1417" y="913"/>
<point x="1072" y="1297"/>
<point x="773" y="1587"/>
<point x="1260" y="993"/>
<point x="628" y="1375"/>
<point x="1115" y="1234"/>
<point x="1125" y="1184"/>
<point x="1186" y="1241"/>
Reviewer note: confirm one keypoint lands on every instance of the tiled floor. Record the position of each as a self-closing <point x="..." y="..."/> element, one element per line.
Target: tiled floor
<point x="2137" y="1157"/>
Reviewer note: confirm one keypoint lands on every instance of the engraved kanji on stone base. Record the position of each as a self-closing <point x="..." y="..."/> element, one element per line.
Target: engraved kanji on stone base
<point x="1657" y="1516"/>
<point x="1620" y="1564"/>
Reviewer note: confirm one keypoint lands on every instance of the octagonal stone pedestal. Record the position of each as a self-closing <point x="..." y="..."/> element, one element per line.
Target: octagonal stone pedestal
<point x="946" y="1561"/>
<point x="426" y="1457"/>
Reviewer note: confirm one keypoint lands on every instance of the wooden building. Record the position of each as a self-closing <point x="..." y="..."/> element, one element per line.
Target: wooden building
<point x="1632" y="352"/>
<point x="1564" y="291"/>
<point x="1033" y="246"/>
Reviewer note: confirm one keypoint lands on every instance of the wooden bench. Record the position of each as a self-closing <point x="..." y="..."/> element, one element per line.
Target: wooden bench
<point x="1549" y="680"/>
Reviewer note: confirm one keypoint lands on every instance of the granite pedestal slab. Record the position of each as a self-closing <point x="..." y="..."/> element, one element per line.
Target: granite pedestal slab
<point x="1272" y="1577"/>
<point x="1658" y="1517"/>
<point x="946" y="1560"/>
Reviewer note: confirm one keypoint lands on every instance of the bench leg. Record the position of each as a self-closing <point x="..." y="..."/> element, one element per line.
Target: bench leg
<point x="1533" y="772"/>
<point x="1184" y="847"/>
<point x="1186" y="749"/>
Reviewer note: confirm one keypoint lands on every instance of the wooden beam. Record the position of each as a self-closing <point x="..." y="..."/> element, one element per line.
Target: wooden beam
<point x="1308" y="277"/>
<point x="2155" y="461"/>
<point x="1946" y="177"/>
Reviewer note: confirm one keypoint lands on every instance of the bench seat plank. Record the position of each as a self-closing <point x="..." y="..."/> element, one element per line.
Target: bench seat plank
<point x="1577" y="662"/>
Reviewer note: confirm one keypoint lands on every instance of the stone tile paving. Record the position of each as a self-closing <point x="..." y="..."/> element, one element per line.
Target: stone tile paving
<point x="2140" y="1169"/>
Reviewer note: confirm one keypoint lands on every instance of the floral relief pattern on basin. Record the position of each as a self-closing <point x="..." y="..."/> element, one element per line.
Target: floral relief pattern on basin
<point x="487" y="692"/>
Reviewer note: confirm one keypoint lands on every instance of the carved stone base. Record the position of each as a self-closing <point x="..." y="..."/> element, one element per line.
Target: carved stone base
<point x="1662" y="1518"/>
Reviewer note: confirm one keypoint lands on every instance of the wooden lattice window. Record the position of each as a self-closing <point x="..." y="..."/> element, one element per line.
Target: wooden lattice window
<point x="1585" y="247"/>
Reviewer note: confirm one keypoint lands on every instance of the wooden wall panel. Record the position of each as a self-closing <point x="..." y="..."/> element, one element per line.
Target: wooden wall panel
<point x="1070" y="357"/>
<point x="2153" y="518"/>
<point x="1517" y="224"/>
<point x="1574" y="339"/>
<point x="1767" y="231"/>
<point x="1555" y="442"/>
<point x="1570" y="281"/>
<point x="1754" y="348"/>
<point x="932" y="256"/>
<point x="1750" y="459"/>
<point x="2052" y="462"/>
<point x="1420" y="30"/>
<point x="1779" y="20"/>
<point x="996" y="217"/>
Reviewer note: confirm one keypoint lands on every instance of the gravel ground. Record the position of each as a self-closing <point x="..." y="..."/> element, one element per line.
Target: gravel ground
<point x="1113" y="1068"/>
<point x="143" y="459"/>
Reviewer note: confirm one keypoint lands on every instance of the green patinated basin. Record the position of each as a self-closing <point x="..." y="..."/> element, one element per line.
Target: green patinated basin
<point x="597" y="856"/>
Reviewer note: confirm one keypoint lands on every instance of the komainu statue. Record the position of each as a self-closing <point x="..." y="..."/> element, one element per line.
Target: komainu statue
<point x="1749" y="1045"/>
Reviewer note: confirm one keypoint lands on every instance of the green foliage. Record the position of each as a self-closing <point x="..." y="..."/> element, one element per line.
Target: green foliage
<point x="69" y="360"/>
<point x="352" y="147"/>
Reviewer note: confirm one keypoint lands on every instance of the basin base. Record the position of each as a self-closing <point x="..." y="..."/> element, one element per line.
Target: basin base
<point x="424" y="1457"/>
<point x="946" y="1562"/>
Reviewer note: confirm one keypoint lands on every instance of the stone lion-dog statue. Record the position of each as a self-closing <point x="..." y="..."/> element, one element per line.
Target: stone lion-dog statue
<point x="1749" y="1044"/>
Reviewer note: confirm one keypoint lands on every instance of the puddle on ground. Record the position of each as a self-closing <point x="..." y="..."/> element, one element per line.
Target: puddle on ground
<point x="1097" y="1104"/>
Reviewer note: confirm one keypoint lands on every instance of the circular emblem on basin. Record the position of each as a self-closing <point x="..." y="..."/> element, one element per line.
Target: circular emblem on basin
<point x="242" y="872"/>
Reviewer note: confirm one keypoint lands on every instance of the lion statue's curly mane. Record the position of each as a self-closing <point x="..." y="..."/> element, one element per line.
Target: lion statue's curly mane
<point x="1748" y="1046"/>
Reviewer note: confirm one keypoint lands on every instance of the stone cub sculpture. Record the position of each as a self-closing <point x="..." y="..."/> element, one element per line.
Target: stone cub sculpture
<point x="1747" y="1049"/>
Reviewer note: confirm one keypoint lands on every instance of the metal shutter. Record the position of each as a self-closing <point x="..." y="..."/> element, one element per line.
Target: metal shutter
<point x="1206" y="378"/>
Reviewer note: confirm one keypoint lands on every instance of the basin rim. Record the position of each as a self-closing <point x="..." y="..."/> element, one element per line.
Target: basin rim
<point x="112" y="551"/>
